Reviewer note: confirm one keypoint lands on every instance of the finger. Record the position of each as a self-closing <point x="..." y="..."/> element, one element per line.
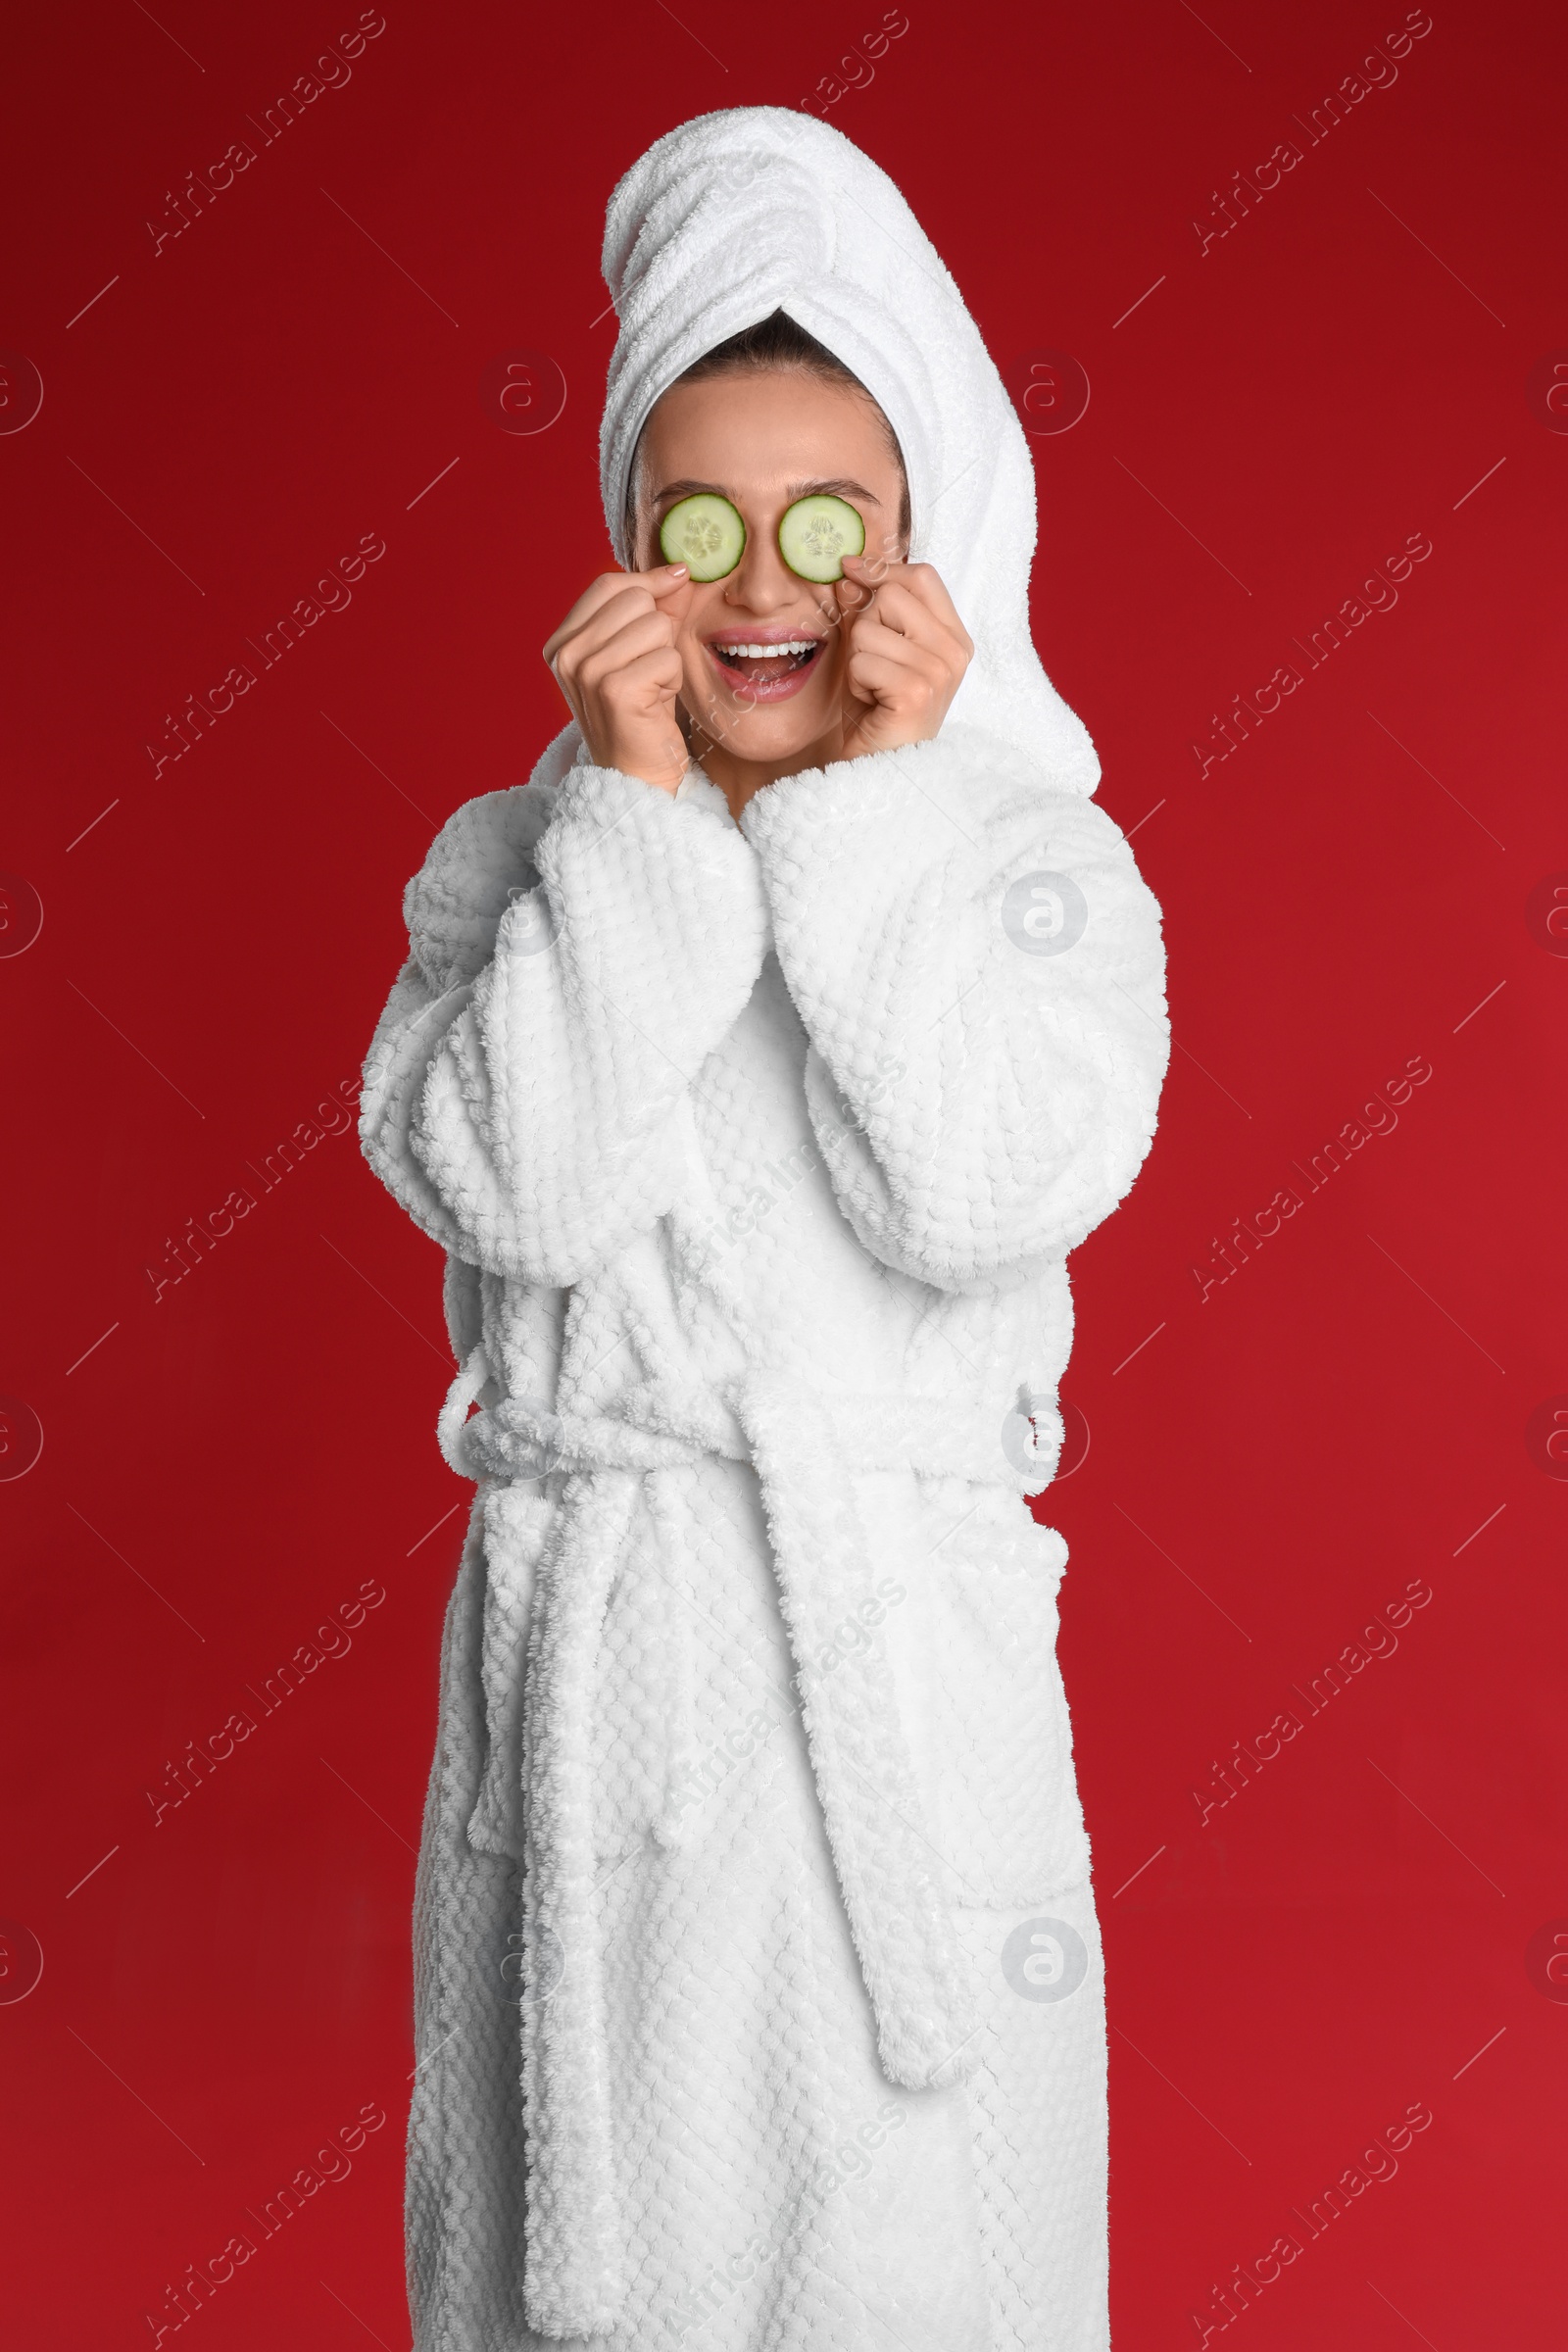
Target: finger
<point x="644" y="633"/>
<point x="663" y="581"/>
<point x="597" y="593"/>
<point x="916" y="642"/>
<point x="671" y="597"/>
<point x="604" y="623"/>
<point x="906" y="677"/>
<point x="924" y="583"/>
<point x="868" y="570"/>
<point x="897" y="661"/>
<point x="902" y="614"/>
<point x="901" y="604"/>
<point x="859" y="592"/>
<point x="666" y="580"/>
<point x="579" y="619"/>
<point x="651" y="678"/>
<point x="857" y="696"/>
<point x="850" y="596"/>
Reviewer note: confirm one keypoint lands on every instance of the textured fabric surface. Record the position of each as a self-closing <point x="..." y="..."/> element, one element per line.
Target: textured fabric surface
<point x="777" y="2189"/>
<point x="757" y="1992"/>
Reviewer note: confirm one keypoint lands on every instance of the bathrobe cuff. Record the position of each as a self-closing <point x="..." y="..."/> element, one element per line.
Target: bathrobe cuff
<point x="980" y="971"/>
<point x="654" y="908"/>
<point x="546" y="1119"/>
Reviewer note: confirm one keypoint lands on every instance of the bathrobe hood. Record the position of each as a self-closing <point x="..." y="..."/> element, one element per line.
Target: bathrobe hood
<point x="758" y="209"/>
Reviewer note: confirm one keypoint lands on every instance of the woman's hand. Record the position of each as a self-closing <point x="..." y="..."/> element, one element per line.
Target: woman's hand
<point x="908" y="652"/>
<point x="614" y="660"/>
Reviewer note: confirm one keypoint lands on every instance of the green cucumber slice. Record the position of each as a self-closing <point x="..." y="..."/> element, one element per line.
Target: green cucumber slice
<point x="817" y="533"/>
<point x="704" y="533"/>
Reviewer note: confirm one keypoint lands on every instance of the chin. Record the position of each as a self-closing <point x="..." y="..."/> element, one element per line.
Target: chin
<point x="765" y="733"/>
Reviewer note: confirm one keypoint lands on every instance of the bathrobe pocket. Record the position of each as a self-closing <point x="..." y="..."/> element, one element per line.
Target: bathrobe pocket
<point x="517" y="1522"/>
<point x="1010" y="1824"/>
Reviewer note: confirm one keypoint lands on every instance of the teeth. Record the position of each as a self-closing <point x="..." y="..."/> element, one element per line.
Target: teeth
<point x="765" y="653"/>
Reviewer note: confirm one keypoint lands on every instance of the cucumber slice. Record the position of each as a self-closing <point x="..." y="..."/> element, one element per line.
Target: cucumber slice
<point x="817" y="533"/>
<point x="705" y="534"/>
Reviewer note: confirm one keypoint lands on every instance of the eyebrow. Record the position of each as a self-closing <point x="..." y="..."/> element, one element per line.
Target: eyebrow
<point x="837" y="487"/>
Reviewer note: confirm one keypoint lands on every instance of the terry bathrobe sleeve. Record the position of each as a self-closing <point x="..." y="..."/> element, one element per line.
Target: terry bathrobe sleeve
<point x="577" y="951"/>
<point x="980" y="970"/>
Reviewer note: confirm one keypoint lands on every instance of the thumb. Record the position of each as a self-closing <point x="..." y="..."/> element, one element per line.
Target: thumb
<point x="853" y="596"/>
<point x="666" y="581"/>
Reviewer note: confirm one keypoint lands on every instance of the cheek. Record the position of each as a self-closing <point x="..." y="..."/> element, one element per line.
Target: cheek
<point x="696" y="668"/>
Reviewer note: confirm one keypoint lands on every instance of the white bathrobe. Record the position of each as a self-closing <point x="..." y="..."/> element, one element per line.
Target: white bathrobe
<point x="758" y="1990"/>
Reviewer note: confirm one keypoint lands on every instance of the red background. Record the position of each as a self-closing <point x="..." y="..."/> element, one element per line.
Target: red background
<point x="1343" y="893"/>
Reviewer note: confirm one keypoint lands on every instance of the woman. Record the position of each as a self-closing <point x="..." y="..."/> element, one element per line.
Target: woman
<point x="756" y="1065"/>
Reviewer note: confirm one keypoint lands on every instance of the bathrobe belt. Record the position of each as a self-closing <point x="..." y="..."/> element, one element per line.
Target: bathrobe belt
<point x="804" y="1449"/>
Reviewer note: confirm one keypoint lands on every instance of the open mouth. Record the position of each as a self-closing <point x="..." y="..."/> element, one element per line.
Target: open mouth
<point x="765" y="665"/>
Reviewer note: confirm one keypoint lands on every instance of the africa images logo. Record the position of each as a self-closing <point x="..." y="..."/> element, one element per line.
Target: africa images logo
<point x="1044" y="1960"/>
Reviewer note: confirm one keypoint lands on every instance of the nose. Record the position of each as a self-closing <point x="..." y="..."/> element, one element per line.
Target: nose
<point x="761" y="581"/>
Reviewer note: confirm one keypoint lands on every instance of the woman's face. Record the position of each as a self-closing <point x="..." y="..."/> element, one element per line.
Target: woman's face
<point x="762" y="438"/>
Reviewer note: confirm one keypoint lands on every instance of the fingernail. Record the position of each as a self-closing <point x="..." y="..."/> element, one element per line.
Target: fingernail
<point x="677" y="568"/>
